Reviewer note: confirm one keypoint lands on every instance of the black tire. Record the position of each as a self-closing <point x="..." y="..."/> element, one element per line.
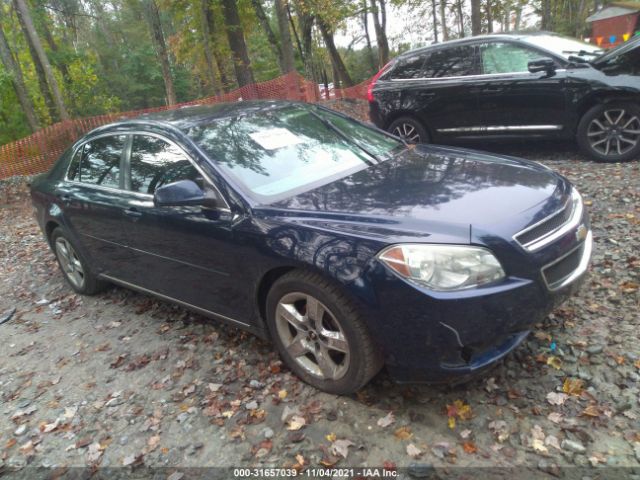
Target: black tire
<point x="364" y="360"/>
<point x="608" y="146"/>
<point x="410" y="129"/>
<point x="90" y="284"/>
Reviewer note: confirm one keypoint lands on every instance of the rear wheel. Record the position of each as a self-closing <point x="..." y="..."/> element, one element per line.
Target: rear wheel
<point x="74" y="267"/>
<point x="611" y="132"/>
<point x="319" y="333"/>
<point x="409" y="129"/>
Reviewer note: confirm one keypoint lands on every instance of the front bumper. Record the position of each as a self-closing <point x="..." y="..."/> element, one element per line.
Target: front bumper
<point x="441" y="337"/>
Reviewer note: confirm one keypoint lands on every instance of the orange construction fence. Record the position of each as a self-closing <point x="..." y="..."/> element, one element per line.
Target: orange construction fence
<point x="37" y="152"/>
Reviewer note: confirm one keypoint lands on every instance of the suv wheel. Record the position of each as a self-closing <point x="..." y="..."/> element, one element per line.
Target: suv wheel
<point x="74" y="267"/>
<point x="409" y="129"/>
<point x="611" y="132"/>
<point x="320" y="334"/>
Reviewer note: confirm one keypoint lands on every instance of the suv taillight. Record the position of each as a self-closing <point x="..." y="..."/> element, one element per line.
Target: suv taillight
<point x="375" y="79"/>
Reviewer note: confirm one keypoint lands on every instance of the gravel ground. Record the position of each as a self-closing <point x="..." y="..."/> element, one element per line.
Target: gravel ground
<point x="124" y="380"/>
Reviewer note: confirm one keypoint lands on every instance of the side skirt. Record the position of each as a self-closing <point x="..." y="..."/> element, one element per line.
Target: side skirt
<point x="259" y="332"/>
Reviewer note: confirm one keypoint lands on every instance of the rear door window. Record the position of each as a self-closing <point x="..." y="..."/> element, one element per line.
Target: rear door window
<point x="409" y="67"/>
<point x="457" y="61"/>
<point x="100" y="161"/>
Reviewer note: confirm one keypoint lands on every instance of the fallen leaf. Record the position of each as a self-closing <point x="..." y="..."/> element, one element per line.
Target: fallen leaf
<point x="403" y="433"/>
<point x="153" y="443"/>
<point x="555" y="417"/>
<point x="451" y="422"/>
<point x="387" y="420"/>
<point x="296" y="423"/>
<point x="133" y="459"/>
<point x="469" y="447"/>
<point x="500" y="430"/>
<point x="554" y="362"/>
<point x="573" y="386"/>
<point x="555" y="398"/>
<point x="591" y="411"/>
<point x="331" y="437"/>
<point x="552" y="441"/>
<point x="341" y="447"/>
<point x="413" y="451"/>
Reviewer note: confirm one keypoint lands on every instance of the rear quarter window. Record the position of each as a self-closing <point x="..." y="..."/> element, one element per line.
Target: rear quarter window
<point x="451" y="62"/>
<point x="409" y="67"/>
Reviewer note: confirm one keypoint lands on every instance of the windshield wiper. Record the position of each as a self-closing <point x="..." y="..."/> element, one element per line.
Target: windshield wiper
<point x="331" y="126"/>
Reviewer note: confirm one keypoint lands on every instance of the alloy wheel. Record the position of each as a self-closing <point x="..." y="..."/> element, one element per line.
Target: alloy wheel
<point x="615" y="132"/>
<point x="70" y="262"/>
<point x="312" y="336"/>
<point x="407" y="132"/>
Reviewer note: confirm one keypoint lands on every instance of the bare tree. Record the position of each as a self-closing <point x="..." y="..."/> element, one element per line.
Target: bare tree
<point x="489" y="12"/>
<point x="18" y="82"/>
<point x="153" y="19"/>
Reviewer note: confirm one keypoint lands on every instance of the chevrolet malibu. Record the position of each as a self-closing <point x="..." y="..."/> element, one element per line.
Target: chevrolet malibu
<point x="345" y="246"/>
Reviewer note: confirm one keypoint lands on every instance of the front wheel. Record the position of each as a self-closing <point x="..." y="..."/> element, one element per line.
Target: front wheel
<point x="320" y="334"/>
<point x="409" y="129"/>
<point x="611" y="132"/>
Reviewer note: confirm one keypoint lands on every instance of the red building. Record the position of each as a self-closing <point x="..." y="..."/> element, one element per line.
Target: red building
<point x="615" y="23"/>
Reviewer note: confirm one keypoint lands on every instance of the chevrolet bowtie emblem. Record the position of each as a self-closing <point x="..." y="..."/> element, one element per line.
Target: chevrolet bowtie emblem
<point x="581" y="233"/>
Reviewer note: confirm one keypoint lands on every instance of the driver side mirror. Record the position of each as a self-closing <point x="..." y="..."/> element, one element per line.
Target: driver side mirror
<point x="181" y="193"/>
<point x="547" y="65"/>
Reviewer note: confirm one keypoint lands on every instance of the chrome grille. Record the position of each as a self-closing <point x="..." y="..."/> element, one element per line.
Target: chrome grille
<point x="552" y="227"/>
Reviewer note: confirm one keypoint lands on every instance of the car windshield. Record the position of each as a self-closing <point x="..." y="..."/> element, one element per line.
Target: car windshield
<point x="278" y="152"/>
<point x="564" y="46"/>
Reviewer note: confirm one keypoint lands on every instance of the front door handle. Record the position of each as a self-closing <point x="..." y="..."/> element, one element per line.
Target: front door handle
<point x="133" y="212"/>
<point x="492" y="89"/>
<point x="65" y="197"/>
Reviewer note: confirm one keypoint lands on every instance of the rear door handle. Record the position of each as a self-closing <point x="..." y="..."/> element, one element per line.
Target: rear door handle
<point x="493" y="89"/>
<point x="65" y="197"/>
<point x="133" y="212"/>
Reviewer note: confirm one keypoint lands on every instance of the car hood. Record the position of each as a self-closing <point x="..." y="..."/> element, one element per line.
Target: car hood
<point x="623" y="59"/>
<point x="433" y="191"/>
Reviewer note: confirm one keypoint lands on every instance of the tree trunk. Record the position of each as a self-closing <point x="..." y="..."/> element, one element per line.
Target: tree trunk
<point x="295" y="33"/>
<point x="153" y="18"/>
<point x="365" y="24"/>
<point x="443" y="20"/>
<point x="206" y="46"/>
<point x="379" y="13"/>
<point x="476" y="18"/>
<point x="546" y="14"/>
<point x="18" y="82"/>
<point x="489" y="17"/>
<point x="271" y="37"/>
<point x="220" y="60"/>
<point x="460" y="18"/>
<point x="518" y="19"/>
<point x="435" y="20"/>
<point x="336" y="61"/>
<point x="288" y="59"/>
<point x="306" y="28"/>
<point x="507" y="16"/>
<point x="241" y="62"/>
<point x="39" y="68"/>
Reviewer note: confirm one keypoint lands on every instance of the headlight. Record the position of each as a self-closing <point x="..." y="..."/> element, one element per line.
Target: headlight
<point x="443" y="267"/>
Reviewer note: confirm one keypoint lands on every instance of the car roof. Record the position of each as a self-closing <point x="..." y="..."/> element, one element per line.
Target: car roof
<point x="467" y="40"/>
<point x="187" y="117"/>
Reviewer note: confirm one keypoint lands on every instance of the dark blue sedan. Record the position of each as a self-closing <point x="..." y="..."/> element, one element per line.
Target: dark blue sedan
<point x="346" y="247"/>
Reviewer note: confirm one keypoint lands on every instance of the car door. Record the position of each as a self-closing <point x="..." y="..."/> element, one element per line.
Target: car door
<point x="92" y="202"/>
<point x="435" y="86"/>
<point x="514" y="101"/>
<point x="186" y="253"/>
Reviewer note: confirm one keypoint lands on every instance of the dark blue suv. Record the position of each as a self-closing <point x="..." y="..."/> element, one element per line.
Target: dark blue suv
<point x="347" y="247"/>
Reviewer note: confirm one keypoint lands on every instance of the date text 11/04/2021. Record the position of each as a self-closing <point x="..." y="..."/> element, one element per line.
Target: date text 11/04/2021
<point x="344" y="473"/>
